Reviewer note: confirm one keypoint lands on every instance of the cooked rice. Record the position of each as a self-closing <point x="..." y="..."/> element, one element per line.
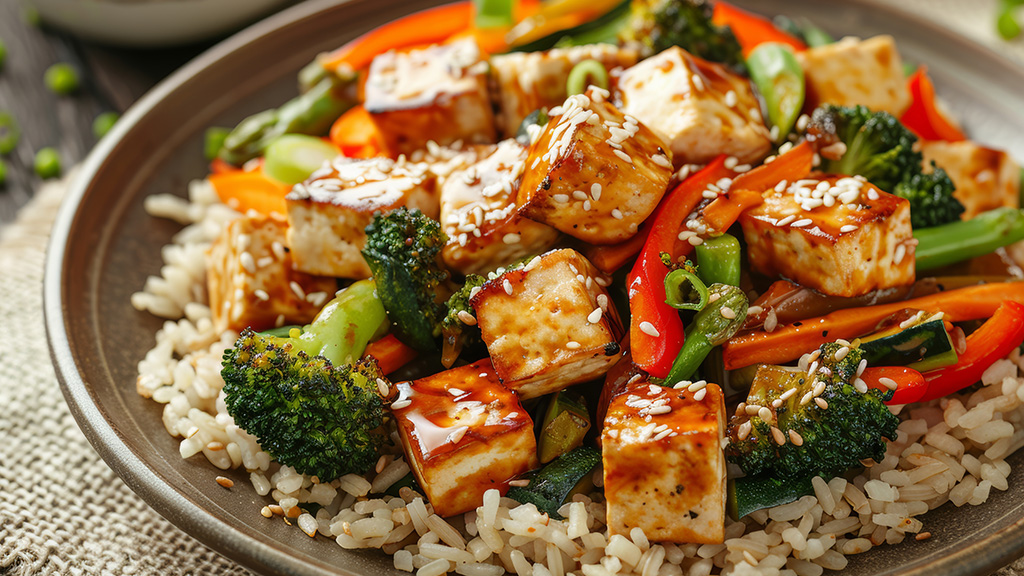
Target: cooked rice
<point x="948" y="450"/>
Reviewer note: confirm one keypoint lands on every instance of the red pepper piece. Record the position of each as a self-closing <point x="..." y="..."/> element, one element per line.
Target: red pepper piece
<point x="655" y="354"/>
<point x="923" y="117"/>
<point x="910" y="384"/>
<point x="751" y="29"/>
<point x="994" y="340"/>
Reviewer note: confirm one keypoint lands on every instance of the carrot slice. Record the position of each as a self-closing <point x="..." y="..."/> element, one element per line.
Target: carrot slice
<point x="390" y="353"/>
<point x="356" y="134"/>
<point x="254" y="190"/>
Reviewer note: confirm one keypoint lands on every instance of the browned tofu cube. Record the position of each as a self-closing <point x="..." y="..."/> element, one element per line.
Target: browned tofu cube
<point x="854" y="71"/>
<point x="434" y="94"/>
<point x="251" y="282"/>
<point x="700" y="108"/>
<point x="985" y="179"/>
<point x="839" y="235"/>
<point x="528" y="81"/>
<point x="478" y="212"/>
<point x="664" y="470"/>
<point x="594" y="172"/>
<point x="463" y="433"/>
<point x="549" y="324"/>
<point x="327" y="214"/>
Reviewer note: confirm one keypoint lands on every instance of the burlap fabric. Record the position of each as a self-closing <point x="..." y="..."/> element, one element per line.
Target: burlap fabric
<point x="62" y="510"/>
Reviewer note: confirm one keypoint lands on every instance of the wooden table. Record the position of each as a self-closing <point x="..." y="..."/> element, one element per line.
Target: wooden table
<point x="111" y="79"/>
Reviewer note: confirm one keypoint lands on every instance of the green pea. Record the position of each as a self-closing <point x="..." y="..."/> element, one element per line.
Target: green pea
<point x="213" y="141"/>
<point x="10" y="133"/>
<point x="779" y="77"/>
<point x="3" y="53"/>
<point x="61" y="78"/>
<point x="3" y="173"/>
<point x="103" y="123"/>
<point x="586" y="73"/>
<point x="47" y="163"/>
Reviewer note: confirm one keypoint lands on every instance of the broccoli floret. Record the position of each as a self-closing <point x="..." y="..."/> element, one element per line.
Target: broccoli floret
<point x="403" y="251"/>
<point x="661" y="24"/>
<point x="456" y="331"/>
<point x="307" y="413"/>
<point x="931" y="198"/>
<point x="823" y="438"/>
<point x="881" y="149"/>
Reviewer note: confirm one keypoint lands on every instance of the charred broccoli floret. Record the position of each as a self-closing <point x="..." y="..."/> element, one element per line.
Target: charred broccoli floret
<point x="661" y="24"/>
<point x="824" y="427"/>
<point x="457" y="332"/>
<point x="403" y="251"/>
<point x="881" y="149"/>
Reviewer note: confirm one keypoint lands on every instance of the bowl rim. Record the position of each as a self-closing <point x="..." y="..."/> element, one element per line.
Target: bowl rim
<point x="980" y="557"/>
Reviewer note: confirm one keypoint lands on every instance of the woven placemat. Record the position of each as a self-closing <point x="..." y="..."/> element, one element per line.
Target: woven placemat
<point x="62" y="510"/>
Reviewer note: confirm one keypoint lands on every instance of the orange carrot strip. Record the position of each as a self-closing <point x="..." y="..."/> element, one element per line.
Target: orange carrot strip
<point x="246" y="191"/>
<point x="390" y="353"/>
<point x="356" y="134"/>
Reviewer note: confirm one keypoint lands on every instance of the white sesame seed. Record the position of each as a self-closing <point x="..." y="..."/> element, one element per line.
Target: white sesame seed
<point x="617" y="214"/>
<point x="507" y="286"/>
<point x="695" y="240"/>
<point x="777" y="403"/>
<point x="806" y="399"/>
<point x="778" y="435"/>
<point x="901" y="251"/>
<point x="764" y="413"/>
<point x="822" y="403"/>
<point x="801" y="223"/>
<point x="586" y="205"/>
<point x="466" y="318"/>
<point x="796" y="438"/>
<point x="399" y="404"/>
<point x="695" y="386"/>
<point x="279" y="321"/>
<point x="714" y="297"/>
<point x="595" y="316"/>
<point x="572" y="345"/>
<point x="656" y="410"/>
<point x="860" y="367"/>
<point x="261" y="294"/>
<point x="754" y="310"/>
<point x="382" y="387"/>
<point x="781" y="186"/>
<point x="661" y="435"/>
<point x="602" y="301"/>
<point x="785" y="221"/>
<point x="709" y="194"/>
<point x="842" y="352"/>
<point x="579" y="194"/>
<point x="847" y="228"/>
<point x="872" y="194"/>
<point x="860" y="385"/>
<point x="247" y="262"/>
<point x="700" y="394"/>
<point x="649" y="329"/>
<point x="661" y="160"/>
<point x="511" y="238"/>
<point x="888" y="383"/>
<point x="562" y="198"/>
<point x="771" y="321"/>
<point x="299" y="292"/>
<point x="731" y="99"/>
<point x="625" y="157"/>
<point x="774" y="133"/>
<point x="698" y="83"/>
<point x="727" y="313"/>
<point x="744" y="430"/>
<point x="595" y="191"/>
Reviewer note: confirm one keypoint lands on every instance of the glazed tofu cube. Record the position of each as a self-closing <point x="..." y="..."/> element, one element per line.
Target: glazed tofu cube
<point x="549" y="324"/>
<point x="664" y="470"/>
<point x="855" y="241"/>
<point x="594" y="172"/>
<point x="701" y="109"/>
<point x="478" y="212"/>
<point x="854" y="71"/>
<point x="435" y="94"/>
<point x="251" y="282"/>
<point x="327" y="214"/>
<point x="528" y="81"/>
<point x="463" y="433"/>
<point x="985" y="179"/>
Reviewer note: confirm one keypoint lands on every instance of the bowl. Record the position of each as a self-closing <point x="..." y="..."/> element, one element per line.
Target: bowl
<point x="104" y="245"/>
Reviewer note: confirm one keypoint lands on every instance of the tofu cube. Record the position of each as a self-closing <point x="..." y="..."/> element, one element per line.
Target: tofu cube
<point x="327" y="214"/>
<point x="857" y="241"/>
<point x="549" y="324"/>
<point x="985" y="179"/>
<point x="854" y="71"/>
<point x="664" y="470"/>
<point x="526" y="81"/>
<point x="700" y="108"/>
<point x="434" y="94"/>
<point x="250" y="280"/>
<point x="478" y="212"/>
<point x="593" y="172"/>
<point x="463" y="433"/>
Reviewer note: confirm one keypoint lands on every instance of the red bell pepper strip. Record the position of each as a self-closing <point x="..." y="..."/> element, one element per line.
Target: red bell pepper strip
<point x="647" y="306"/>
<point x="910" y="384"/>
<point x="751" y="29"/>
<point x="923" y="117"/>
<point x="430" y="26"/>
<point x="994" y="340"/>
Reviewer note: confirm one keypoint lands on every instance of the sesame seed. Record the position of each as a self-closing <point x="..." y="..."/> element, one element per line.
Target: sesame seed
<point x="709" y="194"/>
<point x="764" y="413"/>
<point x="579" y="194"/>
<point x="382" y="387"/>
<point x="774" y="133"/>
<point x="695" y="240"/>
<point x="602" y="301"/>
<point x="405" y="403"/>
<point x="562" y="198"/>
<point x="847" y="228"/>
<point x="731" y="99"/>
<point x="661" y="160"/>
<point x="872" y="195"/>
<point x="457" y="434"/>
<point x="617" y="214"/>
<point x="819" y="387"/>
<point x="595" y="316"/>
<point x="727" y="313"/>
<point x="572" y="345"/>
<point x="455" y="392"/>
<point x="754" y="310"/>
<point x="700" y="394"/>
<point x="714" y="298"/>
<point x="744" y="430"/>
<point x="586" y="205"/>
<point x="781" y="186"/>
<point x="787" y="394"/>
<point x="512" y="238"/>
<point x="777" y="403"/>
<point x="922" y="536"/>
<point x="279" y="321"/>
<point x="888" y="383"/>
<point x="771" y="321"/>
<point x="821" y="403"/>
<point x="802" y="222"/>
<point x="625" y="157"/>
<point x="796" y="438"/>
<point x="602" y="281"/>
<point x="297" y="290"/>
<point x="806" y="399"/>
<point x="649" y="329"/>
<point x="901" y="251"/>
<point x="752" y="409"/>
<point x="698" y="83"/>
<point x="779" y="437"/>
<point x="261" y="294"/>
<point x="466" y="318"/>
<point x="841" y="353"/>
<point x="247" y="262"/>
<point x="225" y="482"/>
<point x="657" y="410"/>
<point x="695" y="386"/>
<point x="860" y="367"/>
<point x="519" y="483"/>
<point x="785" y="221"/>
<point x="861" y="386"/>
<point x="661" y="435"/>
<point x="507" y="286"/>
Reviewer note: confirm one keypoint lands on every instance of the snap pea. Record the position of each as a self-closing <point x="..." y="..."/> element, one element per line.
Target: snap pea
<point x="47" y="163"/>
<point x="779" y="77"/>
<point x="714" y="324"/>
<point x="586" y="73"/>
<point x="291" y="158"/>
<point x="310" y="113"/>
<point x="718" y="260"/>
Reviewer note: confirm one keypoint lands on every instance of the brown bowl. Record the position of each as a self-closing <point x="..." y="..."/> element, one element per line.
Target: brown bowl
<point x="104" y="245"/>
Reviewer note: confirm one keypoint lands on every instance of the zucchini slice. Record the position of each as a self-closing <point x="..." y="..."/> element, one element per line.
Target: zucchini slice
<point x="557" y="482"/>
<point x="923" y="347"/>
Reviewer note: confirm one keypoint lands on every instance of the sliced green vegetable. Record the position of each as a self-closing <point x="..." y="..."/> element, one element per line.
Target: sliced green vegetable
<point x="10" y="133"/>
<point x="550" y="488"/>
<point x="494" y="13"/>
<point x="213" y="141"/>
<point x="291" y="158"/>
<point x="103" y="123"/>
<point x="779" y="78"/>
<point x="684" y="290"/>
<point x="957" y="241"/>
<point x="47" y="163"/>
<point x="752" y="493"/>
<point x="718" y="260"/>
<point x="714" y="324"/>
<point x="586" y="73"/>
<point x="565" y="424"/>
<point x="61" y="78"/>
<point x="923" y="347"/>
<point x="601" y="30"/>
<point x="814" y="35"/>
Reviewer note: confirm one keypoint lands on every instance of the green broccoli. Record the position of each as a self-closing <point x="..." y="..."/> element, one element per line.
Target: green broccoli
<point x="302" y="396"/>
<point x="403" y="251"/>
<point x="881" y="149"/>
<point x="661" y="24"/>
<point x="804" y="436"/>
<point x="456" y="331"/>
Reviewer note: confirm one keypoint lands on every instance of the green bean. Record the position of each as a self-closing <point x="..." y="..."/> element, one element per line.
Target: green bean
<point x="957" y="241"/>
<point x="10" y="133"/>
<point x="718" y="260"/>
<point x="586" y="73"/>
<point x="47" y="163"/>
<point x="779" y="77"/>
<point x="103" y="123"/>
<point x="291" y="158"/>
<point x="61" y="78"/>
